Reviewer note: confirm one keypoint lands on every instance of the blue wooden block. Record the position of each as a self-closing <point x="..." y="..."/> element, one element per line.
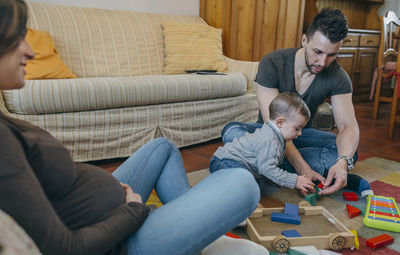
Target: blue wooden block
<point x="285" y="218"/>
<point x="291" y="233"/>
<point x="291" y="209"/>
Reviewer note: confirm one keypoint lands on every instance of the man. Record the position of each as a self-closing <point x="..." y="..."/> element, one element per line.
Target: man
<point x="312" y="72"/>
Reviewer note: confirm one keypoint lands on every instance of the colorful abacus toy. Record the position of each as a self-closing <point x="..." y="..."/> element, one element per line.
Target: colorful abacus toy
<point x="382" y="213"/>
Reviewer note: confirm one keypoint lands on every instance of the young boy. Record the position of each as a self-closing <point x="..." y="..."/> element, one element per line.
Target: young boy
<point x="263" y="151"/>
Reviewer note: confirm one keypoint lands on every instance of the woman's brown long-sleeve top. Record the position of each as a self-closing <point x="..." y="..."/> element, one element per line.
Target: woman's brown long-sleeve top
<point x="65" y="207"/>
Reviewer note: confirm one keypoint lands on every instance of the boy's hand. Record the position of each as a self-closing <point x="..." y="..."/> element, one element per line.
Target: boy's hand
<point x="304" y="184"/>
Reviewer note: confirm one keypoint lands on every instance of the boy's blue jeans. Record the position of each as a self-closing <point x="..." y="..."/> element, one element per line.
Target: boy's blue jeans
<point x="318" y="148"/>
<point x="191" y="218"/>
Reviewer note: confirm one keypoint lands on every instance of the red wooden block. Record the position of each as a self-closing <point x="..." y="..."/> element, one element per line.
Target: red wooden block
<point x="379" y="241"/>
<point x="352" y="211"/>
<point x="350" y="196"/>
<point x="232" y="235"/>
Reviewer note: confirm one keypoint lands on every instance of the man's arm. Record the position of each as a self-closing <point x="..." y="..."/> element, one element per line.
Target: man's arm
<point x="264" y="98"/>
<point x="346" y="141"/>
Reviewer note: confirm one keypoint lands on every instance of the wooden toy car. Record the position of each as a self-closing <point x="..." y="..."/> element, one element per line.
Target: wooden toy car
<point x="318" y="227"/>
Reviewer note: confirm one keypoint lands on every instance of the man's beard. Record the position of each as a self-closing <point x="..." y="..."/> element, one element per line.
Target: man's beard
<point x="309" y="67"/>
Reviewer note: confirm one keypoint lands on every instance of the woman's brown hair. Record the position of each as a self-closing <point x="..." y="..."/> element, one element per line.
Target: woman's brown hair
<point x="13" y="18"/>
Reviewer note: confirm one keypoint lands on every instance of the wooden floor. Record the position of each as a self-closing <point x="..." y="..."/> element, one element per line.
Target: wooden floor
<point x="373" y="142"/>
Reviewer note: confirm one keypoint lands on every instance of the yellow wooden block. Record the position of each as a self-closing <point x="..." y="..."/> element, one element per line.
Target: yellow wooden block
<point x="356" y="243"/>
<point x="153" y="199"/>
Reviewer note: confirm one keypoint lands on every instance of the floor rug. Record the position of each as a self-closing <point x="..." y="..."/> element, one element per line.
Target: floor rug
<point x="384" y="178"/>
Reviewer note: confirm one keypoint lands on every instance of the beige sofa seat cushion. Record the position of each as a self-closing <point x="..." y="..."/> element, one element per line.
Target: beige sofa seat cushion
<point x="118" y="132"/>
<point x="101" y="43"/>
<point x="70" y="95"/>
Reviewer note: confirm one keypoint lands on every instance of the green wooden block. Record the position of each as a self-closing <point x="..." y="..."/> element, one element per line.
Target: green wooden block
<point x="312" y="199"/>
<point x="317" y="192"/>
<point x="294" y="252"/>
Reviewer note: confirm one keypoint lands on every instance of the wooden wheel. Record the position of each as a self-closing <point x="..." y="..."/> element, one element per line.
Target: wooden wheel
<point x="281" y="244"/>
<point x="337" y="242"/>
<point x="304" y="204"/>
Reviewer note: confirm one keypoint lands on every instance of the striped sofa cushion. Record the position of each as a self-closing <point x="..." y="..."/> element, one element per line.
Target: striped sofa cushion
<point x="70" y="95"/>
<point x="105" y="43"/>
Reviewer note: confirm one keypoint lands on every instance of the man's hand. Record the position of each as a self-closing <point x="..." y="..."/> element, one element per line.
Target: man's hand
<point x="339" y="173"/>
<point x="131" y="196"/>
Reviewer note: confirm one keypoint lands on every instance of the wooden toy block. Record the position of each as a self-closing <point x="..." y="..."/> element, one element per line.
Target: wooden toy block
<point x="350" y="196"/>
<point x="317" y="190"/>
<point x="291" y="233"/>
<point x="232" y="235"/>
<point x="352" y="211"/>
<point x="294" y="252"/>
<point x="356" y="242"/>
<point x="285" y="218"/>
<point x="291" y="209"/>
<point x="312" y="199"/>
<point x="379" y="241"/>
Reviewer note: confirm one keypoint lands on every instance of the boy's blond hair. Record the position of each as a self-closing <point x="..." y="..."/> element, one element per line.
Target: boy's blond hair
<point x="286" y="104"/>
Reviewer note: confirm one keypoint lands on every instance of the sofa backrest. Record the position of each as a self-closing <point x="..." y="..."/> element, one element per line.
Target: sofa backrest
<point x="100" y="43"/>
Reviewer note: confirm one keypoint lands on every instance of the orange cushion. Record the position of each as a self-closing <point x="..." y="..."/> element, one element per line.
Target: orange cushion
<point x="47" y="64"/>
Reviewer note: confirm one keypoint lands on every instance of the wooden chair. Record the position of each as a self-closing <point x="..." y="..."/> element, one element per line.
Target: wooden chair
<point x="386" y="60"/>
<point x="394" y="113"/>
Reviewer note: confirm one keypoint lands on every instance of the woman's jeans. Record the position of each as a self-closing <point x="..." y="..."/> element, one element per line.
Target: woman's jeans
<point x="266" y="185"/>
<point x="318" y="148"/>
<point x="191" y="218"/>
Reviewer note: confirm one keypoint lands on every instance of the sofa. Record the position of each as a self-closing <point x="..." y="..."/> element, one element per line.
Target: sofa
<point x="121" y="97"/>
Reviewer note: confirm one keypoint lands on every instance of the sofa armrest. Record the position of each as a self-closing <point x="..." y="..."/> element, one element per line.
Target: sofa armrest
<point x="3" y="107"/>
<point x="247" y="68"/>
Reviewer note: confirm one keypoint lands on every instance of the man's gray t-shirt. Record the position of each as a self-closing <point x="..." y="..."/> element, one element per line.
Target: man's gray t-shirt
<point x="276" y="70"/>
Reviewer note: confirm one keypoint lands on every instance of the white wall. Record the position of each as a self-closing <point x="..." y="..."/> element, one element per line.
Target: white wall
<point x="390" y="5"/>
<point x="184" y="7"/>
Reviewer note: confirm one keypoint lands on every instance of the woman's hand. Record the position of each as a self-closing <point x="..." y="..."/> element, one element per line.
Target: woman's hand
<point x="131" y="196"/>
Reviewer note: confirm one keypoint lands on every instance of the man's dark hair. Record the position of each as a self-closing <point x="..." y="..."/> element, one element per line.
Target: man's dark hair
<point x="13" y="18"/>
<point x="331" y="23"/>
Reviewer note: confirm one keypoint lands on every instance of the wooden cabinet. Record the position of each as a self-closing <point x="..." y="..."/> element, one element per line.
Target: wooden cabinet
<point x="358" y="56"/>
<point x="253" y="28"/>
